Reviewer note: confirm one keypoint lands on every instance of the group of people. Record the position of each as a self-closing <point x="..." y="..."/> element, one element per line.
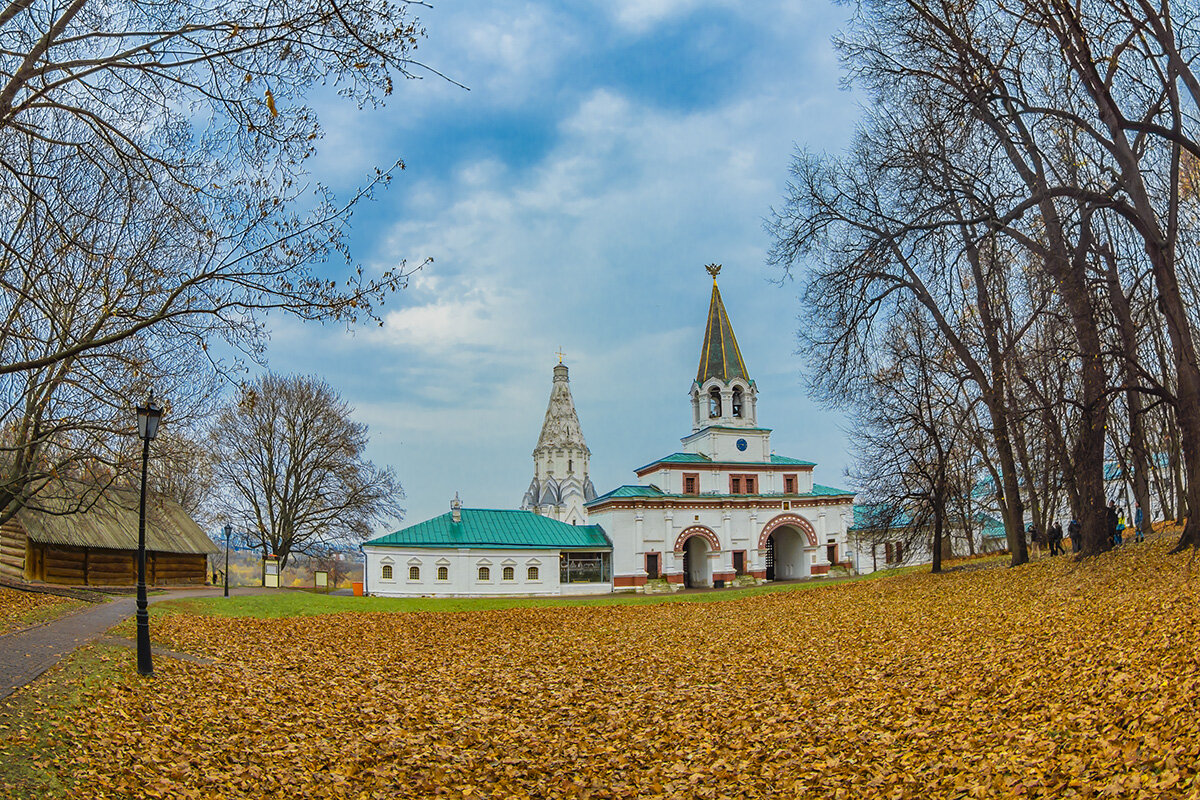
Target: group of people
<point x="1116" y="531"/>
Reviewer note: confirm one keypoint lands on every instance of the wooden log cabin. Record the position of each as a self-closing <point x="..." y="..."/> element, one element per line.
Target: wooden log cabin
<point x="98" y="546"/>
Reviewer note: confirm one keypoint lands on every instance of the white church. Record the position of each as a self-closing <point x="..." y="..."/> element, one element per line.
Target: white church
<point x="723" y="510"/>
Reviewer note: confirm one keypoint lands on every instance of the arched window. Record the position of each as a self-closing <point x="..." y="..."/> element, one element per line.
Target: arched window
<point x="509" y="574"/>
<point x="414" y="573"/>
<point x="443" y="573"/>
<point x="485" y="574"/>
<point x="737" y="401"/>
<point x="532" y="573"/>
<point x="714" y="402"/>
<point x="387" y="572"/>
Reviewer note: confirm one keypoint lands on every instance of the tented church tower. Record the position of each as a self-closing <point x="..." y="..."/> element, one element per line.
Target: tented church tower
<point x="560" y="483"/>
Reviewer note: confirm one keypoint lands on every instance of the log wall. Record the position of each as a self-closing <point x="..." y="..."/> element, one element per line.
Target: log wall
<point x="90" y="566"/>
<point x="12" y="550"/>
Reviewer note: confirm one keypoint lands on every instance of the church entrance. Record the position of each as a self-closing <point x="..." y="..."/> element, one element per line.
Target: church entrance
<point x="697" y="572"/>
<point x="785" y="558"/>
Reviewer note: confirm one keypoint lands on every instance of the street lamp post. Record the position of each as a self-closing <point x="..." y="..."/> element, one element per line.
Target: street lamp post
<point x="228" y="531"/>
<point x="148" y="417"/>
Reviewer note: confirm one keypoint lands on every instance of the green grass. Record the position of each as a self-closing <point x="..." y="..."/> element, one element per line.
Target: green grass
<point x="302" y="603"/>
<point x="33" y="758"/>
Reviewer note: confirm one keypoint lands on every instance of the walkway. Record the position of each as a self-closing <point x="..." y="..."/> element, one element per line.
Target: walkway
<point x="26" y="654"/>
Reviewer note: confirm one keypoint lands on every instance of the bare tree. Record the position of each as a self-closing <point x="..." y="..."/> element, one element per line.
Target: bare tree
<point x="292" y="459"/>
<point x="153" y="197"/>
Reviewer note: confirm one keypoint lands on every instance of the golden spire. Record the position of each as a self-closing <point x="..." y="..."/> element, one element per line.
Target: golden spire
<point x="714" y="270"/>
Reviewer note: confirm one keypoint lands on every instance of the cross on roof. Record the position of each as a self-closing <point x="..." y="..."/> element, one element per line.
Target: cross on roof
<point x="560" y="354"/>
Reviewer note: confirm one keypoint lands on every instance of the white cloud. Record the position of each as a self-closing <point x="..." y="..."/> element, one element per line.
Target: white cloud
<point x="595" y="247"/>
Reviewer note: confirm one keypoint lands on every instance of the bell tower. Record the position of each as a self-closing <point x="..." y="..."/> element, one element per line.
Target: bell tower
<point x="723" y="393"/>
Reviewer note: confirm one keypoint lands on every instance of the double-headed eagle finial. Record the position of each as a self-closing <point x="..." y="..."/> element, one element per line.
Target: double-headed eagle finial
<point x="713" y="269"/>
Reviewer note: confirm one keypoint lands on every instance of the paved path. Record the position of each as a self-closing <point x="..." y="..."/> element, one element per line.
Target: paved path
<point x="26" y="654"/>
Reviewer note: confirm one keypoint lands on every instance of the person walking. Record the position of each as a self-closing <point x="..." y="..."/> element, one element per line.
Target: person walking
<point x="1111" y="520"/>
<point x="1033" y="540"/>
<point x="1119" y="538"/>
<point x="1056" y="537"/>
<point x="1075" y="531"/>
<point x="1139" y="523"/>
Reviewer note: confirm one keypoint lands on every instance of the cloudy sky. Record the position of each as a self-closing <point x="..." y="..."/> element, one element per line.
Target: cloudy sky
<point x="603" y="153"/>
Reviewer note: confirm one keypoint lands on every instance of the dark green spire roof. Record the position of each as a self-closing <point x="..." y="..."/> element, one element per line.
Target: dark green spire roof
<point x="720" y="356"/>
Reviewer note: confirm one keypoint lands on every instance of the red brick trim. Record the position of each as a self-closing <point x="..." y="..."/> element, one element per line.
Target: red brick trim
<point x="698" y="530"/>
<point x="724" y="576"/>
<point x="820" y="569"/>
<point x="796" y="521"/>
<point x="675" y="577"/>
<point x="629" y="580"/>
<point x="761" y="574"/>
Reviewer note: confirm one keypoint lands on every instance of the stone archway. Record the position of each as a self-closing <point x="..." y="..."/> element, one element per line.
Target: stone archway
<point x="784" y="547"/>
<point x="693" y="547"/>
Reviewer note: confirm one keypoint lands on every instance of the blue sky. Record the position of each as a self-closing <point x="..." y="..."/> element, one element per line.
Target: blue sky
<point x="604" y="153"/>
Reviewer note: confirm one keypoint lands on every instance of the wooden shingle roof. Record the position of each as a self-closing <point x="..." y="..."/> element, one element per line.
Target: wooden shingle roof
<point x="111" y="521"/>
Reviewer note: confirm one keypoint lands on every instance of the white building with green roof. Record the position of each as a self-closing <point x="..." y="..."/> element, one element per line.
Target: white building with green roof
<point x="474" y="551"/>
<point x="726" y="507"/>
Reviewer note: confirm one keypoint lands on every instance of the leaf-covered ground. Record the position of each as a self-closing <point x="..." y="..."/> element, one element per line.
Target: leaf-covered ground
<point x="21" y="609"/>
<point x="1051" y="680"/>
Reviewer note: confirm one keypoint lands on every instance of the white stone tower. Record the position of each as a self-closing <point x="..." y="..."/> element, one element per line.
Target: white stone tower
<point x="560" y="483"/>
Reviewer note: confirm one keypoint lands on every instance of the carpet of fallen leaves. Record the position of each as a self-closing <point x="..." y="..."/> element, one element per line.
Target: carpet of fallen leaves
<point x="1056" y="679"/>
<point x="17" y="608"/>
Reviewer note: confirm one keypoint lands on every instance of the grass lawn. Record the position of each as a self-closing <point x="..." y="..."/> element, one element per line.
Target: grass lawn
<point x="304" y="603"/>
<point x="1056" y="679"/>
<point x="22" y="609"/>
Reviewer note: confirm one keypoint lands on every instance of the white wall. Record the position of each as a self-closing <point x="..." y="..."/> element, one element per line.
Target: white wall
<point x="462" y="568"/>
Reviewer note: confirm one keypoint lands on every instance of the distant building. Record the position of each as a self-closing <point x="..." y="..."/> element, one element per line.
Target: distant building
<point x="472" y="551"/>
<point x="884" y="538"/>
<point x="97" y="546"/>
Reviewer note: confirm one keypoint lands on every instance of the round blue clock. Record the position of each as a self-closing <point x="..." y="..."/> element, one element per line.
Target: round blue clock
<point x="741" y="444"/>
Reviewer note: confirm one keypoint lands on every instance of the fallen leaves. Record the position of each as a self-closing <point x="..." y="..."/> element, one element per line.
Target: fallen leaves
<point x="19" y="609"/>
<point x="1051" y="680"/>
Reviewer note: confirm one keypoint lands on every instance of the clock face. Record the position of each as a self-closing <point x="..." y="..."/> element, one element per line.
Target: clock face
<point x="741" y="444"/>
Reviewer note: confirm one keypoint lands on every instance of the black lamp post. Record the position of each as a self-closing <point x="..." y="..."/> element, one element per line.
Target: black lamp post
<point x="148" y="417"/>
<point x="228" y="530"/>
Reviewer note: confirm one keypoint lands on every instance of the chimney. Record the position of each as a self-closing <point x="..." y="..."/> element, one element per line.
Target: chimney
<point x="456" y="509"/>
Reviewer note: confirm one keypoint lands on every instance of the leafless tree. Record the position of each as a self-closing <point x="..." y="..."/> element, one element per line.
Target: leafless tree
<point x="153" y="197"/>
<point x="292" y="459"/>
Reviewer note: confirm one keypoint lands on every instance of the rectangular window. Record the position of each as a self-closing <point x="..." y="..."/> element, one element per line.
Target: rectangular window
<point x="789" y="484"/>
<point x="735" y="484"/>
<point x="750" y="487"/>
<point x="691" y="483"/>
<point x="652" y="568"/>
<point x="585" y="567"/>
<point x="739" y="562"/>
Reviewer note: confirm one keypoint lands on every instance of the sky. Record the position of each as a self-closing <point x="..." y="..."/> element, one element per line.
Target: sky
<point x="601" y="154"/>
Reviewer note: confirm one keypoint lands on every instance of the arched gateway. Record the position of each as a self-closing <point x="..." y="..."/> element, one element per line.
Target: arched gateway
<point x="693" y="546"/>
<point x="781" y="547"/>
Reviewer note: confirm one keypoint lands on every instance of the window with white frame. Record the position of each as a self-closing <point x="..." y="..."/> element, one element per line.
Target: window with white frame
<point x="414" y="573"/>
<point x="386" y="572"/>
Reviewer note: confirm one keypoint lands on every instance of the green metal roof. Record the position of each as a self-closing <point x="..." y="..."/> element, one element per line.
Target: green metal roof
<point x="652" y="491"/>
<point x="499" y="529"/>
<point x="785" y="460"/>
<point x="697" y="458"/>
<point x="720" y="356"/>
